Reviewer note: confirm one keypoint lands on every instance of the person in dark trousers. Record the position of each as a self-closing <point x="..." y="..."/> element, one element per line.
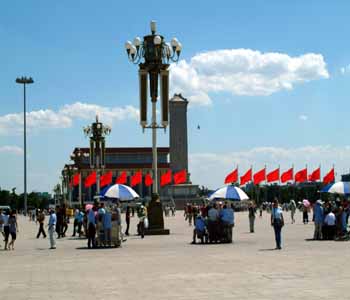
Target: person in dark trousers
<point x="91" y="220"/>
<point x="41" y="219"/>
<point x="59" y="223"/>
<point x="127" y="219"/>
<point x="277" y="222"/>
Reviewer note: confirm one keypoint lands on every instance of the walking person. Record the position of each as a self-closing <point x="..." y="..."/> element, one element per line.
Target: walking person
<point x="293" y="208"/>
<point x="13" y="229"/>
<point x="318" y="220"/>
<point x="277" y="222"/>
<point x="52" y="228"/>
<point x="142" y="215"/>
<point x="41" y="219"/>
<point x="6" y="228"/>
<point x="251" y="214"/>
<point x="127" y="219"/>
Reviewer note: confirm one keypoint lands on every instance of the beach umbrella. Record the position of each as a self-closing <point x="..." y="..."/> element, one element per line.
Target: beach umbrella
<point x="229" y="192"/>
<point x="119" y="191"/>
<point x="341" y="187"/>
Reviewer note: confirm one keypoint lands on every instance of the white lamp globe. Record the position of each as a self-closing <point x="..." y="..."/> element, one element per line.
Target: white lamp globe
<point x="157" y="40"/>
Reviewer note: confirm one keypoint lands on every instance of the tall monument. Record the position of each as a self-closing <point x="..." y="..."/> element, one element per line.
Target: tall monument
<point x="178" y="142"/>
<point x="178" y="133"/>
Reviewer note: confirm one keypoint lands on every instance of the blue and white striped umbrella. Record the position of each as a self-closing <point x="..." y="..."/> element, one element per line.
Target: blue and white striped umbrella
<point x="229" y="192"/>
<point x="120" y="191"/>
<point x="340" y="187"/>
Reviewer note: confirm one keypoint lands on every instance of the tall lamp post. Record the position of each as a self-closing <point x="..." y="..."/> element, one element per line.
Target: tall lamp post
<point x="25" y="81"/>
<point x="153" y="55"/>
<point x="97" y="133"/>
<point x="78" y="158"/>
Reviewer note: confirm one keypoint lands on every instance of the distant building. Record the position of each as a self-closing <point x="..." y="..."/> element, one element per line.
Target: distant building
<point x="134" y="159"/>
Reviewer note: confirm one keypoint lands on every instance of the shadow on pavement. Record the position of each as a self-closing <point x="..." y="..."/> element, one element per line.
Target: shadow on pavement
<point x="268" y="249"/>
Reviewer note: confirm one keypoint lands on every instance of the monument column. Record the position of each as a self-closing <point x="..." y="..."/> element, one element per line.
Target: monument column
<point x="178" y="133"/>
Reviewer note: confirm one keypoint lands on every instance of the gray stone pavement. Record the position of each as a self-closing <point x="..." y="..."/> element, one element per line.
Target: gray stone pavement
<point x="168" y="267"/>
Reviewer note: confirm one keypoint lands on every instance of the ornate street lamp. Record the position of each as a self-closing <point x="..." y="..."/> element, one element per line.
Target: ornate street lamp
<point x="67" y="173"/>
<point x="97" y="133"/>
<point x="25" y="81"/>
<point x="78" y="158"/>
<point x="153" y="55"/>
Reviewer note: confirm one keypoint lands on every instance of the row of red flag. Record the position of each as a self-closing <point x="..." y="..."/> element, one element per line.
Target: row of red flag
<point x="273" y="176"/>
<point x="106" y="179"/>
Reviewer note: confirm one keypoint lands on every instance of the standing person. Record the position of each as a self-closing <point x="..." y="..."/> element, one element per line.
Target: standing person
<point x="59" y="221"/>
<point x="13" y="228"/>
<point x="52" y="228"/>
<point x="6" y="228"/>
<point x="127" y="220"/>
<point x="318" y="220"/>
<point x="91" y="225"/>
<point x="305" y="214"/>
<point x="75" y="222"/>
<point x="107" y="227"/>
<point x="213" y="217"/>
<point x="2" y="223"/>
<point x="330" y="222"/>
<point x="277" y="222"/>
<point x="142" y="214"/>
<point x="251" y="214"/>
<point x="292" y="207"/>
<point x="41" y="219"/>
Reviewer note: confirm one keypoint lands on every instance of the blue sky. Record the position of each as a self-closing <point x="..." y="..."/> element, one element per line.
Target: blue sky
<point x="281" y="99"/>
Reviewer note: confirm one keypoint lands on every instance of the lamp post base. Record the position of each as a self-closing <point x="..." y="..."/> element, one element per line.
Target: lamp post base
<point x="155" y="218"/>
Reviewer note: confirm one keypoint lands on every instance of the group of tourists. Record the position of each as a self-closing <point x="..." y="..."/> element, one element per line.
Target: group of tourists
<point x="213" y="223"/>
<point x="8" y="227"/>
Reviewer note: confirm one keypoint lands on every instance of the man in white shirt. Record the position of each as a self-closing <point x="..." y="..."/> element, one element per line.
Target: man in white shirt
<point x="330" y="221"/>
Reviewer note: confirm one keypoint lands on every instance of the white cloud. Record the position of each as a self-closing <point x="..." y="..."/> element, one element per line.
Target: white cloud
<point x="243" y="72"/>
<point x="11" y="149"/>
<point x="64" y="117"/>
<point x="218" y="165"/>
<point x="303" y="117"/>
<point x="345" y="69"/>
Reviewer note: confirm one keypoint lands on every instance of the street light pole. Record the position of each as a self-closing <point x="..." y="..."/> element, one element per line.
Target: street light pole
<point x="24" y="81"/>
<point x="156" y="55"/>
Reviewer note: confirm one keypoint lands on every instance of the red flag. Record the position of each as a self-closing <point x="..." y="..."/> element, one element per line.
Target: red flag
<point x="136" y="178"/>
<point x="180" y="177"/>
<point x="148" y="180"/>
<point x="166" y="178"/>
<point x="122" y="178"/>
<point x="273" y="175"/>
<point x="246" y="177"/>
<point x="259" y="176"/>
<point x="232" y="177"/>
<point x="301" y="176"/>
<point x="315" y="175"/>
<point x="76" y="179"/>
<point x="287" y="175"/>
<point x="90" y="180"/>
<point x="330" y="177"/>
<point x="106" y="179"/>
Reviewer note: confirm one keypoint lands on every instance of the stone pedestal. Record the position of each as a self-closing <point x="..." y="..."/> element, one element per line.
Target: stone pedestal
<point x="155" y="218"/>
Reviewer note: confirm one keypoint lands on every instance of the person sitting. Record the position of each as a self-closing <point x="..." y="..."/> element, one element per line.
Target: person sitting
<point x="200" y="230"/>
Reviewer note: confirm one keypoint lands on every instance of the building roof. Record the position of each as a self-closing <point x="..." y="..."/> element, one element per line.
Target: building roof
<point x="127" y="150"/>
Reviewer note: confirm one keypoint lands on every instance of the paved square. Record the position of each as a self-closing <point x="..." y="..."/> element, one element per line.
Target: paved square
<point x="168" y="267"/>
